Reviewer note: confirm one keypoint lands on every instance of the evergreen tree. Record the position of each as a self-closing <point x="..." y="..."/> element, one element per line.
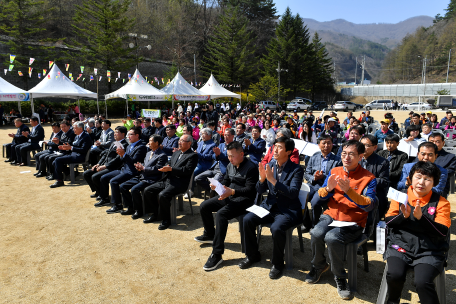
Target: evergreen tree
<point x="230" y="51"/>
<point x="320" y="72"/>
<point x="450" y="10"/>
<point x="101" y="28"/>
<point x="292" y="49"/>
<point x="22" y="21"/>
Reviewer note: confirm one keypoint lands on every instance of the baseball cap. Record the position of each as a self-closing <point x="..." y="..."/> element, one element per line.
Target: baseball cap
<point x="332" y="119"/>
<point x="386" y="121"/>
<point x="428" y="112"/>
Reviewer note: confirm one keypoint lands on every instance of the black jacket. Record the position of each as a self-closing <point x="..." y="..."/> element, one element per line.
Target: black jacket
<point x="18" y="137"/>
<point x="447" y="161"/>
<point x="380" y="168"/>
<point x="51" y="145"/>
<point x="243" y="180"/>
<point x="397" y="161"/>
<point x="36" y="136"/>
<point x="146" y="134"/>
<point x="110" y="158"/>
<point x="183" y="169"/>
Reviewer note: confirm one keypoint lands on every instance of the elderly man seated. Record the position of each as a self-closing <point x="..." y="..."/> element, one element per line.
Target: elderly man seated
<point x="105" y="141"/>
<point x="205" y="152"/>
<point x="40" y="157"/>
<point x="350" y="194"/>
<point x="256" y="146"/>
<point x="18" y="139"/>
<point x="170" y="142"/>
<point x="33" y="139"/>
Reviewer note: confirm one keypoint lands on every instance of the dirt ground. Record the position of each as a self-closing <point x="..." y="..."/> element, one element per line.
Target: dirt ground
<point x="57" y="247"/>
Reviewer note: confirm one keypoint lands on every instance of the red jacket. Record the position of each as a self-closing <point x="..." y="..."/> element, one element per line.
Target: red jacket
<point x="294" y="157"/>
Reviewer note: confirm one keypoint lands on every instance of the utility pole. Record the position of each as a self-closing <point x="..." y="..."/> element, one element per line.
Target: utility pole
<point x="194" y="66"/>
<point x="278" y="72"/>
<point x="362" y="74"/>
<point x="356" y="68"/>
<point x="448" y="69"/>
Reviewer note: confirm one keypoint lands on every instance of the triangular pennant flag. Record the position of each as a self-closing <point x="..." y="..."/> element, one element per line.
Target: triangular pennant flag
<point x="67" y="65"/>
<point x="12" y="58"/>
<point x="116" y="79"/>
<point x="129" y="76"/>
<point x="20" y="73"/>
<point x="118" y="74"/>
<point x="44" y="72"/>
<point x="108" y="73"/>
<point x="163" y="81"/>
<point x="49" y="76"/>
<point x="95" y="71"/>
<point x="51" y="63"/>
<point x="5" y="70"/>
<point x="109" y="79"/>
<point x="100" y="78"/>
<point x="31" y="61"/>
<point x="91" y="77"/>
<point x="39" y="75"/>
<point x="10" y="68"/>
<point x="30" y="72"/>
<point x="82" y="69"/>
<point x="123" y="80"/>
<point x="83" y="79"/>
<point x="58" y="73"/>
<point x="71" y="75"/>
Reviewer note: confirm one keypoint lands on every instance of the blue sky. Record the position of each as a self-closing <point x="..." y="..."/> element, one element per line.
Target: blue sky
<point x="386" y="11"/>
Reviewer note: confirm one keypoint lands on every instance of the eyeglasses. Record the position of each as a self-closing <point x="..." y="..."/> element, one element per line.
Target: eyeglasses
<point x="350" y="155"/>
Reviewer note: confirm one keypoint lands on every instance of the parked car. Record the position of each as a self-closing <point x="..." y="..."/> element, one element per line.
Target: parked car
<point x="299" y="104"/>
<point x="267" y="104"/>
<point x="379" y="104"/>
<point x="344" y="106"/>
<point x="416" y="106"/>
<point x="318" y="105"/>
<point x="358" y="106"/>
<point x="446" y="102"/>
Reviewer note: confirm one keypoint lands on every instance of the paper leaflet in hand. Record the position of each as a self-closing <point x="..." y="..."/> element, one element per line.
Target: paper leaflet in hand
<point x="341" y="224"/>
<point x="218" y="186"/>
<point x="398" y="196"/>
<point x="257" y="210"/>
<point x="118" y="145"/>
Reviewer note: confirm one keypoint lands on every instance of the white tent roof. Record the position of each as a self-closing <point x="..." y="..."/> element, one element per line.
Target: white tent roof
<point x="9" y="92"/>
<point x="56" y="84"/>
<point x="182" y="90"/>
<point x="213" y="88"/>
<point x="137" y="88"/>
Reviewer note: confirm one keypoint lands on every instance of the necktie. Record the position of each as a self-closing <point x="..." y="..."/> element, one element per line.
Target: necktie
<point x="390" y="156"/>
<point x="151" y="154"/>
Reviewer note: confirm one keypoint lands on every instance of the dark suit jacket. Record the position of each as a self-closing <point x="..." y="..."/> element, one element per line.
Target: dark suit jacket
<point x="136" y="155"/>
<point x="110" y="158"/>
<point x="151" y="166"/>
<point x="255" y="150"/>
<point x="18" y="138"/>
<point x="314" y="165"/>
<point x="146" y="134"/>
<point x="169" y="144"/>
<point x="68" y="138"/>
<point x="161" y="131"/>
<point x="37" y="135"/>
<point x="398" y="160"/>
<point x="380" y="167"/>
<point x="96" y="133"/>
<point x="81" y="145"/>
<point x="285" y="194"/>
<point x="51" y="145"/>
<point x="183" y="169"/>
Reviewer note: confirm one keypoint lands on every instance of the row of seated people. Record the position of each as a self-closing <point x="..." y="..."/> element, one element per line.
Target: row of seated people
<point x="348" y="193"/>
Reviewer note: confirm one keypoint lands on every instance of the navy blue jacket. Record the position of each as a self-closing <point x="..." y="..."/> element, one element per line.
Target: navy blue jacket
<point x="169" y="144"/>
<point x="285" y="194"/>
<point x="255" y="150"/>
<point x="37" y="135"/>
<point x="18" y="138"/>
<point x="222" y="159"/>
<point x="81" y="145"/>
<point x="130" y="158"/>
<point x="151" y="166"/>
<point x="51" y="145"/>
<point x="205" y="155"/>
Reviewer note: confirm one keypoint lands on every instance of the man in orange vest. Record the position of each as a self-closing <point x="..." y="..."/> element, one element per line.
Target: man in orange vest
<point x="350" y="194"/>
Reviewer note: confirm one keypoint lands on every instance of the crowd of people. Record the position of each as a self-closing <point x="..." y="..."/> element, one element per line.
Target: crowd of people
<point x="248" y="152"/>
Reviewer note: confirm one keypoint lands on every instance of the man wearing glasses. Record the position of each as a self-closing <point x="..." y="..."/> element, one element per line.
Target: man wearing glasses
<point x="175" y="180"/>
<point x="350" y="194"/>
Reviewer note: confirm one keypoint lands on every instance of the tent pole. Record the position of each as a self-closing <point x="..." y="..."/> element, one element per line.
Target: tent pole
<point x="31" y="104"/>
<point x="98" y="106"/>
<point x="19" y="107"/>
<point x="79" y="106"/>
<point x="106" y="109"/>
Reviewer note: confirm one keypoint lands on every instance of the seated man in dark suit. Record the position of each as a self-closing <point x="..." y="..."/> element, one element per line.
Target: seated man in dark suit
<point x="240" y="133"/>
<point x="40" y="157"/>
<point x="159" y="127"/>
<point x="95" y="130"/>
<point x="204" y="152"/>
<point x="18" y="139"/>
<point x="66" y="138"/>
<point x="317" y="169"/>
<point x="135" y="152"/>
<point x="444" y="159"/>
<point x="283" y="178"/>
<point x="108" y="162"/>
<point x="378" y="166"/>
<point x="33" y="141"/>
<point x="155" y="159"/>
<point x="175" y="180"/>
<point x="239" y="183"/>
<point x="256" y="146"/>
<point x="170" y="142"/>
<point x="397" y="159"/>
<point x="106" y="139"/>
<point x="218" y="168"/>
<point x="147" y="131"/>
<point x="79" y="148"/>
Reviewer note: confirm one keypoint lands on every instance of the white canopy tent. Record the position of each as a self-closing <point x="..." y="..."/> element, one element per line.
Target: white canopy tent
<point x="138" y="89"/>
<point x="9" y="92"/>
<point x="56" y="84"/>
<point x="213" y="88"/>
<point x="181" y="90"/>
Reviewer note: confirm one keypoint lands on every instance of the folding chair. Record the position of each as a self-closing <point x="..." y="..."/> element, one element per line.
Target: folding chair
<point x="179" y="197"/>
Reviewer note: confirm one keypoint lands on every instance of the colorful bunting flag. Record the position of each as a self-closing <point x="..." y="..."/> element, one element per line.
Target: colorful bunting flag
<point x="30" y="72"/>
<point x="100" y="78"/>
<point x="82" y="69"/>
<point x="10" y="67"/>
<point x="51" y="63"/>
<point x="129" y="76"/>
<point x="44" y="72"/>
<point x="91" y="77"/>
<point x="109" y="73"/>
<point x="31" y="61"/>
<point x="83" y="79"/>
<point x="5" y="70"/>
<point x="49" y="76"/>
<point x="123" y="80"/>
<point x="71" y="75"/>
<point x="118" y="74"/>
<point x="12" y="57"/>
<point x="109" y="79"/>
<point x="20" y="73"/>
<point x="146" y="78"/>
<point x="116" y="79"/>
<point x="95" y="71"/>
<point x="163" y="81"/>
<point x="67" y="65"/>
<point x="58" y="73"/>
<point x="39" y="75"/>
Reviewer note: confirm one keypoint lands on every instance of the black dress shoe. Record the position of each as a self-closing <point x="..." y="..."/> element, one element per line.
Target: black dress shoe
<point x="35" y="174"/>
<point x="275" y="273"/>
<point x="136" y="215"/>
<point x="99" y="197"/>
<point x="57" y="184"/>
<point x="8" y="161"/>
<point x="151" y="219"/>
<point x="13" y="162"/>
<point x="115" y="209"/>
<point x="102" y="202"/>
<point x="41" y="174"/>
<point x="50" y="177"/>
<point x="164" y="225"/>
<point x="129" y="211"/>
<point x="95" y="195"/>
<point x="248" y="262"/>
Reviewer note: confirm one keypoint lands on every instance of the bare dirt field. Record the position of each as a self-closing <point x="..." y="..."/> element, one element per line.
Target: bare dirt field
<point x="57" y="247"/>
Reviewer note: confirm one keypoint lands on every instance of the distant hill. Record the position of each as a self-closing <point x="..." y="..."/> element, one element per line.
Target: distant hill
<point x="385" y="33"/>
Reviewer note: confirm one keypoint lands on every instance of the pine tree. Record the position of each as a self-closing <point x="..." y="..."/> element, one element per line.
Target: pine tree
<point x="22" y="21"/>
<point x="320" y="72"/>
<point x="101" y="28"/>
<point x="230" y="51"/>
<point x="450" y="10"/>
<point x="292" y="49"/>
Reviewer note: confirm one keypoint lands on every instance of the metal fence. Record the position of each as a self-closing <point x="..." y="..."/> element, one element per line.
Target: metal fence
<point x="404" y="89"/>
